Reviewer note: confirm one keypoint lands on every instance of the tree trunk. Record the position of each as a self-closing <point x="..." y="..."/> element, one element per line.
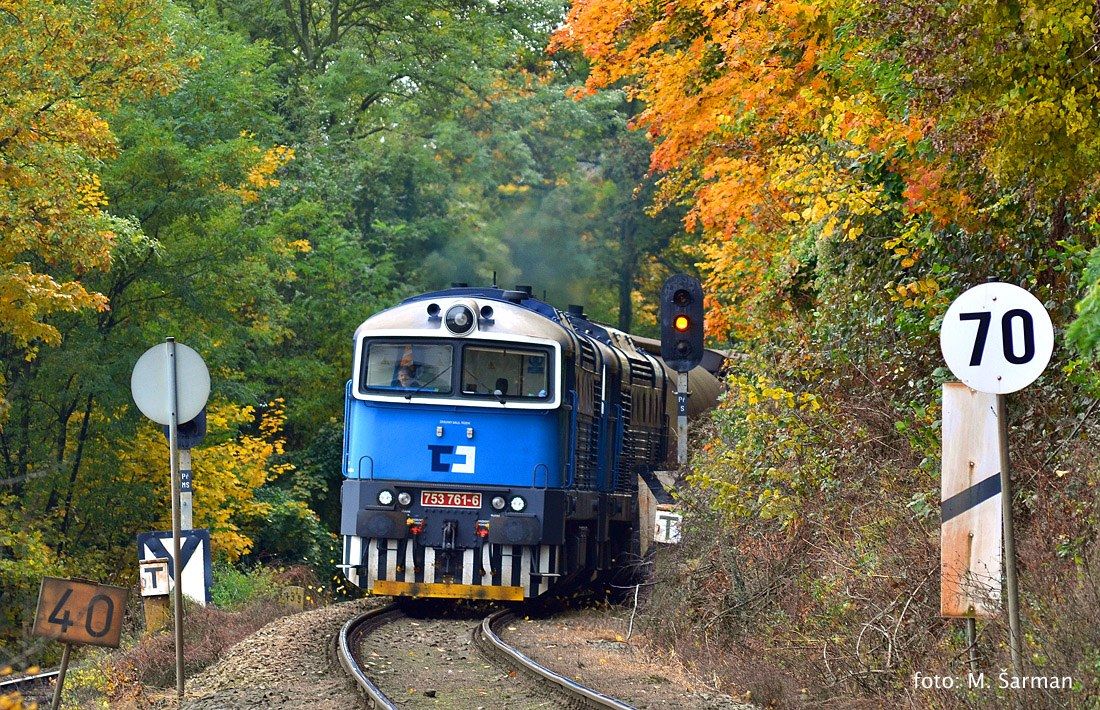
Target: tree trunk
<point x="628" y="270"/>
<point x="73" y="472"/>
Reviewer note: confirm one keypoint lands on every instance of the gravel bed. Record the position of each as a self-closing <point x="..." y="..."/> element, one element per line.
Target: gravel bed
<point x="590" y="646"/>
<point x="290" y="663"/>
<point x="433" y="663"/>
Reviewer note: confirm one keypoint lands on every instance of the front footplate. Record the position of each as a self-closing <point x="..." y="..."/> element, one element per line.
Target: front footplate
<point x="447" y="591"/>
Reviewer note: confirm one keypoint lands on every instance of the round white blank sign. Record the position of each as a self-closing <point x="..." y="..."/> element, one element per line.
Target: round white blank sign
<point x="997" y="338"/>
<point x="149" y="384"/>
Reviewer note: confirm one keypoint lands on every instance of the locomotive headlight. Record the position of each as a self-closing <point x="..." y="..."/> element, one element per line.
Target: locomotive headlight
<point x="385" y="498"/>
<point x="518" y="504"/>
<point x="497" y="502"/>
<point x="404" y="498"/>
<point x="459" y="319"/>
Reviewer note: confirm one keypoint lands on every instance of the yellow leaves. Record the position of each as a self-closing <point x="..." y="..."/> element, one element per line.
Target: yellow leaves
<point x="90" y="195"/>
<point x="763" y="460"/>
<point x="261" y="175"/>
<point x="227" y="470"/>
<point x="914" y="294"/>
<point x="62" y="66"/>
<point x="26" y="298"/>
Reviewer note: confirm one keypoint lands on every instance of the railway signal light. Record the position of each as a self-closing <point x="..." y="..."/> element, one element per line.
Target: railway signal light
<point x="682" y="322"/>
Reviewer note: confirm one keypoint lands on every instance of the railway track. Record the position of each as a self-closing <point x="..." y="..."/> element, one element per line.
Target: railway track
<point x="32" y="688"/>
<point x="354" y="639"/>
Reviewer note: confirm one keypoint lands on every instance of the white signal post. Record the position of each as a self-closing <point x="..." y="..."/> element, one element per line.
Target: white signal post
<point x="173" y="462"/>
<point x="996" y="338"/>
<point x="681" y="418"/>
<point x="186" y="505"/>
<point x="154" y="387"/>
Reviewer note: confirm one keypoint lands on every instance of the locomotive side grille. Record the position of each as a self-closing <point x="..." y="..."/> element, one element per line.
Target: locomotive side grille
<point x="641" y="447"/>
<point x="587" y="451"/>
<point x="625" y="480"/>
<point x="588" y="424"/>
<point x="588" y="356"/>
<point x="641" y="373"/>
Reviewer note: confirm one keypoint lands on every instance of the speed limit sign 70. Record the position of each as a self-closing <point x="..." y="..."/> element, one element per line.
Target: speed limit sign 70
<point x="997" y="338"/>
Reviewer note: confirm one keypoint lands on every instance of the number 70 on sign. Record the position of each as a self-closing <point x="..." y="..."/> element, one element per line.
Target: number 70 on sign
<point x="997" y="338"/>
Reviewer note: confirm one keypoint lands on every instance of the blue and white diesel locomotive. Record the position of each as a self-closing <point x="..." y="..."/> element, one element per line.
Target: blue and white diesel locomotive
<point x="498" y="448"/>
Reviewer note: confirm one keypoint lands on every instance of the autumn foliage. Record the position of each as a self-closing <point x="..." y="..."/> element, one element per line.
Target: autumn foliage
<point x="62" y="67"/>
<point x="848" y="167"/>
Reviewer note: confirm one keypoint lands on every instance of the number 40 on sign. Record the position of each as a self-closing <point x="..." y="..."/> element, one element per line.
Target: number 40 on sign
<point x="74" y="611"/>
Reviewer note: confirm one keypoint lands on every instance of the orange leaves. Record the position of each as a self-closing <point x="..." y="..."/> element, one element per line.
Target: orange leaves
<point x="724" y="87"/>
<point x="927" y="192"/>
<point x="782" y="125"/>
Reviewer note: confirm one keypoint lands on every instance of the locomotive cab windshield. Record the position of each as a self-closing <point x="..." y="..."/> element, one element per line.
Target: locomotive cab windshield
<point x="405" y="366"/>
<point x="485" y="371"/>
<point x="504" y="373"/>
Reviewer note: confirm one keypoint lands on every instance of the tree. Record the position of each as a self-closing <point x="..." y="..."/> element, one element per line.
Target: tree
<point x="63" y="67"/>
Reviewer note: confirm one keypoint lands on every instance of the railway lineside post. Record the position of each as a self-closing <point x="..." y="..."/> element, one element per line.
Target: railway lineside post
<point x="78" y="612"/>
<point x="976" y="494"/>
<point x="155" y="385"/>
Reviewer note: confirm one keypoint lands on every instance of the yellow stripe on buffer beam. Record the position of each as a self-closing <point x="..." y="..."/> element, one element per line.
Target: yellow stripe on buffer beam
<point x="447" y="591"/>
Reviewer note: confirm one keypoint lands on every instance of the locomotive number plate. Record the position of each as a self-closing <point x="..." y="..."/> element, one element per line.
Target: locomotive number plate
<point x="448" y="499"/>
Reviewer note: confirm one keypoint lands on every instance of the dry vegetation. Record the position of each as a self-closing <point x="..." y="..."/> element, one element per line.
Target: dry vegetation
<point x="842" y="605"/>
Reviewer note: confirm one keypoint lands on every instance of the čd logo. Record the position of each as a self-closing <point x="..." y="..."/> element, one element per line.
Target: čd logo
<point x="464" y="464"/>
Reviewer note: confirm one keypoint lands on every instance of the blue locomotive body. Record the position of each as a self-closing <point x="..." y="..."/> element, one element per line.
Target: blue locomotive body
<point x="493" y="447"/>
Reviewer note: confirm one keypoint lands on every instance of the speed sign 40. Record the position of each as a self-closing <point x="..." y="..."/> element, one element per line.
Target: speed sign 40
<point x="997" y="338"/>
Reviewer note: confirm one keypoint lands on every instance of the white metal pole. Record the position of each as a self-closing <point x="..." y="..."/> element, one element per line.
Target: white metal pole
<point x="173" y="462"/>
<point x="186" y="505"/>
<point x="682" y="419"/>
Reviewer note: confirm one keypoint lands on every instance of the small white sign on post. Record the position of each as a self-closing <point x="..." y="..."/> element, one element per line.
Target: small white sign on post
<point x="997" y="338"/>
<point x="154" y="577"/>
<point x="667" y="526"/>
<point x="196" y="575"/>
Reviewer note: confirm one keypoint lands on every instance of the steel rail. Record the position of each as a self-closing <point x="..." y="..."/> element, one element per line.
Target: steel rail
<point x="347" y="649"/>
<point x="28" y="678"/>
<point x="570" y="687"/>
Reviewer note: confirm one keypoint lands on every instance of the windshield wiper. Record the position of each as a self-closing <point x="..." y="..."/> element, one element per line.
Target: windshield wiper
<point x="423" y="387"/>
<point x="496" y="393"/>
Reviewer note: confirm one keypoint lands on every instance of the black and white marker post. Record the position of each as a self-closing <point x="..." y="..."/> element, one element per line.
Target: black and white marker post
<point x="997" y="339"/>
<point x="170" y="384"/>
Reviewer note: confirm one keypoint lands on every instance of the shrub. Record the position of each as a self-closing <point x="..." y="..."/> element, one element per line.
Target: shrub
<point x="234" y="588"/>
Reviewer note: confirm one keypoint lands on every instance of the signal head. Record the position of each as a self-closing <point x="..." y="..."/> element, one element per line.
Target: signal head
<point x="682" y="322"/>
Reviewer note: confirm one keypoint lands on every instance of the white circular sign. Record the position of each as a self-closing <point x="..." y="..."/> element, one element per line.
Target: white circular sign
<point x="149" y="384"/>
<point x="997" y="338"/>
